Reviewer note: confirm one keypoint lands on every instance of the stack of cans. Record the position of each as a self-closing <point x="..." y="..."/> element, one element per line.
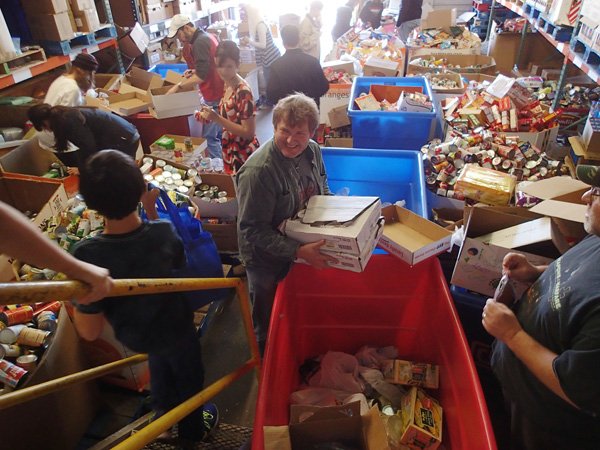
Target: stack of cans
<point x="211" y="194"/>
<point x="168" y="177"/>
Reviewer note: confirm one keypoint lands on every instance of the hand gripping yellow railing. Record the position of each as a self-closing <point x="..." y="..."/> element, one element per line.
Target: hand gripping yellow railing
<point x="40" y="291"/>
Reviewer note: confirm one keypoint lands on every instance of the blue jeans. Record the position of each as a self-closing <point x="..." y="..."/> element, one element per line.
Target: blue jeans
<point x="213" y="132"/>
<point x="262" y="285"/>
<point x="176" y="376"/>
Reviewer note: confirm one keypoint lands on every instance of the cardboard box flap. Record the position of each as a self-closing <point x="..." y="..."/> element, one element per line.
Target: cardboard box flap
<point x="277" y="438"/>
<point x="520" y="235"/>
<point x="442" y="18"/>
<point x="392" y="93"/>
<point x="484" y="220"/>
<point x="561" y="210"/>
<point x="173" y="77"/>
<point x="143" y="79"/>
<point x="164" y="89"/>
<point x="329" y="208"/>
<point x="309" y="413"/>
<point x="28" y="159"/>
<point x="554" y="187"/>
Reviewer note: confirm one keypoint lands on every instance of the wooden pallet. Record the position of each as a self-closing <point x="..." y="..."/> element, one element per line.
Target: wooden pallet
<point x="26" y="59"/>
<point x="66" y="47"/>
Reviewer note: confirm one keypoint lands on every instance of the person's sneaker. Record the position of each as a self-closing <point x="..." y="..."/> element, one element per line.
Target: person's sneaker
<point x="210" y="412"/>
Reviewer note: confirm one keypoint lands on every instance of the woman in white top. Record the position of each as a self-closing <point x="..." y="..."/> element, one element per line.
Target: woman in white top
<point x="310" y="30"/>
<point x="69" y="89"/>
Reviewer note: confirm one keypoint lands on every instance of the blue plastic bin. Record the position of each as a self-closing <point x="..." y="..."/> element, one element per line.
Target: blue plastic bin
<point x="390" y="174"/>
<point x="387" y="129"/>
<point x="161" y="69"/>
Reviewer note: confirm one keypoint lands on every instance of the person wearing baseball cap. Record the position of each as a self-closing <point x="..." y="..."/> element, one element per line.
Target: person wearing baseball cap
<point x="548" y="344"/>
<point x="199" y="51"/>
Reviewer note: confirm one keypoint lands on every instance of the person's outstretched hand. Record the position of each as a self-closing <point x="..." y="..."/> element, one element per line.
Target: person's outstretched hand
<point x="518" y="268"/>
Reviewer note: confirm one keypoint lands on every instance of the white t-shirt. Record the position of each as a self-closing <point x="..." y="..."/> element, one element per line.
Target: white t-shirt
<point x="64" y="91"/>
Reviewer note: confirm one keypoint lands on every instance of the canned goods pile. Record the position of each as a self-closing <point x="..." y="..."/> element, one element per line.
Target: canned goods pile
<point x="337" y="76"/>
<point x="442" y="64"/>
<point x="211" y="194"/>
<point x="444" y="161"/>
<point x="168" y="177"/>
<point x="442" y="83"/>
<point x="517" y="111"/>
<point x="25" y="333"/>
<point x="436" y="38"/>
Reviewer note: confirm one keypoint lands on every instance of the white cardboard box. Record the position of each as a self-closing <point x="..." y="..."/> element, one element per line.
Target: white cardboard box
<point x="337" y="95"/>
<point x="352" y="238"/>
<point x="410" y="237"/>
<point x="182" y="103"/>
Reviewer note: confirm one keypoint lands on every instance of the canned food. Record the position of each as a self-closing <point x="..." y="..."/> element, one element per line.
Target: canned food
<point x="189" y="146"/>
<point x="161" y="163"/>
<point x="214" y="189"/>
<point x="204" y="187"/>
<point x="178" y="183"/>
<point x="11" y="350"/>
<point x="176" y="176"/>
<point x="11" y="374"/>
<point x="168" y="168"/>
<point x="27" y="362"/>
<point x="221" y="194"/>
<point x="148" y="178"/>
<point x="21" y="314"/>
<point x="159" y="178"/>
<point x="46" y="321"/>
<point x="168" y="175"/>
<point x="191" y="173"/>
<point x="147" y="160"/>
<point x="32" y="337"/>
<point x="52" y="306"/>
<point x="183" y="189"/>
<point x="188" y="183"/>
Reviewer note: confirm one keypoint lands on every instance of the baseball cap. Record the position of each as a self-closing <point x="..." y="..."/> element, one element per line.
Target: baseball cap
<point x="589" y="174"/>
<point x="177" y="22"/>
<point x="85" y="61"/>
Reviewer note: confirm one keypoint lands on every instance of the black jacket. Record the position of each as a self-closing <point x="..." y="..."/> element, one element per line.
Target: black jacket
<point x="409" y="10"/>
<point x="296" y="71"/>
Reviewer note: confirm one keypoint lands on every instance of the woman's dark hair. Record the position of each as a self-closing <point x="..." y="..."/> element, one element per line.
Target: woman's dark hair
<point x="38" y="114"/>
<point x="227" y="50"/>
<point x="61" y="119"/>
<point x="111" y="183"/>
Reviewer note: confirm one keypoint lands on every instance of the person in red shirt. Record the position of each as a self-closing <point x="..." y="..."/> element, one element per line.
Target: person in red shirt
<point x="199" y="50"/>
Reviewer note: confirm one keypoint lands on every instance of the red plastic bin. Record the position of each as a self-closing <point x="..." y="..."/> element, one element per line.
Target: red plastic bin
<point x="389" y="303"/>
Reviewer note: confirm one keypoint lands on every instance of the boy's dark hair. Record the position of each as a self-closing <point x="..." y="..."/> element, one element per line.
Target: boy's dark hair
<point x="38" y="114"/>
<point x="227" y="50"/>
<point x="111" y="183"/>
<point x="290" y="36"/>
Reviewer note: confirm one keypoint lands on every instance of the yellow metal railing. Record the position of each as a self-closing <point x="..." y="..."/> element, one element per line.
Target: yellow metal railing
<point x="31" y="292"/>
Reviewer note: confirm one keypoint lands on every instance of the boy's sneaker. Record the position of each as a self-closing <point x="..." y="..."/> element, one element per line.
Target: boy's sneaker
<point x="210" y="413"/>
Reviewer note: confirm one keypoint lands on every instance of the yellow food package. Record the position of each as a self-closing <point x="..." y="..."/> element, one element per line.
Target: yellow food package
<point x="486" y="185"/>
<point x="421" y="420"/>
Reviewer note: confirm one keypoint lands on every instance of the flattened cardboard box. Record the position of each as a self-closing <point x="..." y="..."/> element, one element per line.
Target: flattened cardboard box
<point x="479" y="265"/>
<point x="351" y="238"/>
<point x="410" y="237"/>
<point x="122" y="104"/>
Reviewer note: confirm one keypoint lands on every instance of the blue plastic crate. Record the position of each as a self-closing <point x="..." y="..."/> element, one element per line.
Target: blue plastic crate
<point x="389" y="174"/>
<point x="387" y="129"/>
<point x="162" y="69"/>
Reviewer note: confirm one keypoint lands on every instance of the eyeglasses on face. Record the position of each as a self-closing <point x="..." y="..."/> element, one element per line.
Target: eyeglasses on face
<point x="594" y="191"/>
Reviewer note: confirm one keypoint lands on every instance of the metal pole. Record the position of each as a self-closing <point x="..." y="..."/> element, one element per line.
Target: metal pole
<point x="42" y="291"/>
<point x="491" y="20"/>
<point x="521" y="46"/>
<point x="561" y="84"/>
<point x="33" y="392"/>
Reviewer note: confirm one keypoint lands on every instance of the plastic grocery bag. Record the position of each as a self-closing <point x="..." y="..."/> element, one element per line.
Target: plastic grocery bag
<point x="202" y="256"/>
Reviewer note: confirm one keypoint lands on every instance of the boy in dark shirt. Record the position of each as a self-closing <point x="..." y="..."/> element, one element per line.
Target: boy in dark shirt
<point x="160" y="324"/>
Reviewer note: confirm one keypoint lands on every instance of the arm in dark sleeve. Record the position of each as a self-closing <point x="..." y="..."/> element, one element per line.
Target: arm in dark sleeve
<point x="275" y="86"/>
<point x="201" y="53"/>
<point x="319" y="83"/>
<point x="321" y="165"/>
<point x="257" y="202"/>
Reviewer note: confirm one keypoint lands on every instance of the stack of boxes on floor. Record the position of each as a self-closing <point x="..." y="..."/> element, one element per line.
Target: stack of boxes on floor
<point x="59" y="20"/>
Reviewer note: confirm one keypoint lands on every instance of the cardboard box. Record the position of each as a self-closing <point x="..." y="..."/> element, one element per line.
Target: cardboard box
<point x="460" y="89"/>
<point x="360" y="215"/>
<point x="339" y="66"/>
<point x="122" y="104"/>
<point x="42" y="196"/>
<point x="155" y="13"/>
<point x="224" y="235"/>
<point x="199" y="145"/>
<point x="81" y="5"/>
<point x="310" y="425"/>
<point x="51" y="27"/>
<point x="408" y="373"/>
<point x="154" y="53"/>
<point x="134" y="43"/>
<point x="65" y="414"/>
<point x="338" y="142"/>
<point x="31" y="159"/>
<point x="378" y="67"/>
<point x="227" y="210"/>
<point x="354" y="263"/>
<point x="182" y="103"/>
<point x="108" y="81"/>
<point x="591" y="136"/>
<point x="479" y="265"/>
<point x="410" y="237"/>
<point x="36" y="7"/>
<point x="182" y="168"/>
<point x="421" y="420"/>
<point x="337" y="95"/>
<point x="338" y="117"/>
<point x="140" y="81"/>
<point x="485" y="185"/>
<point x="168" y="9"/>
<point x="467" y="63"/>
<point x="87" y="21"/>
